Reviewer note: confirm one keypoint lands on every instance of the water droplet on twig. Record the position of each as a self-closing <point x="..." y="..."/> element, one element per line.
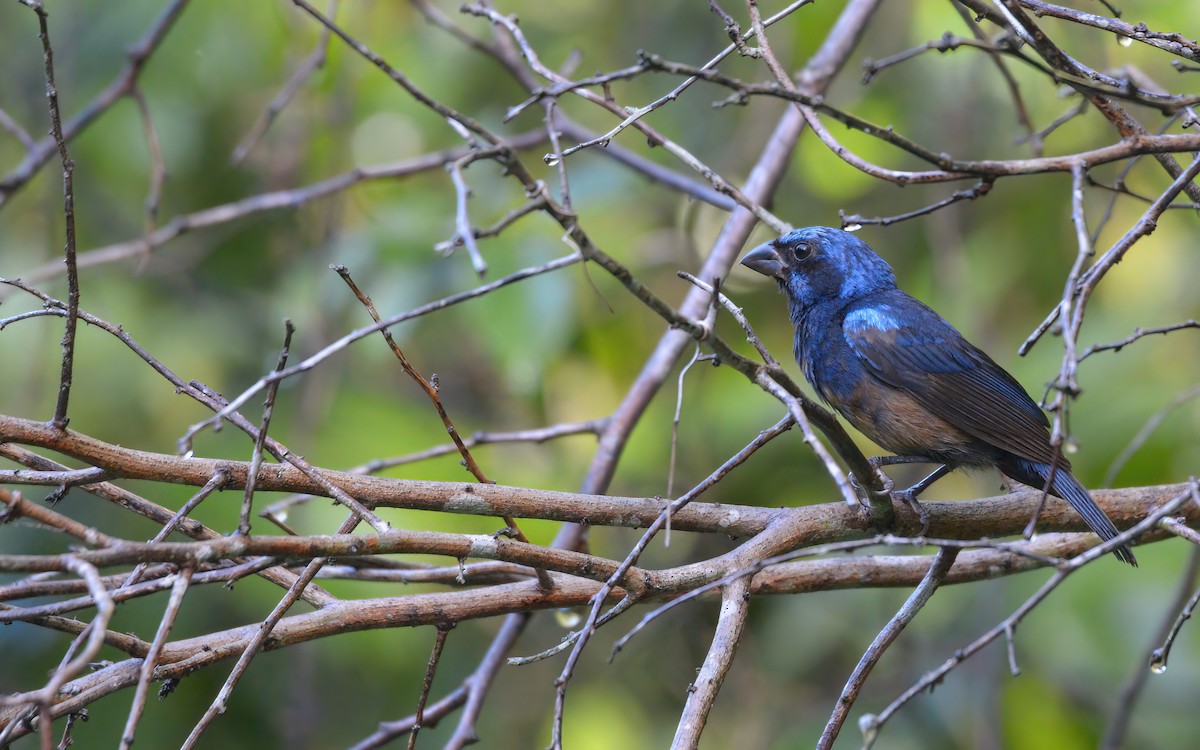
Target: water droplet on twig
<point x="1158" y="661"/>
<point x="568" y="617"/>
<point x="868" y="724"/>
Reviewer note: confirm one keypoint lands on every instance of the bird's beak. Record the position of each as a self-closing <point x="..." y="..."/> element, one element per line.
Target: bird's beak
<point x="765" y="259"/>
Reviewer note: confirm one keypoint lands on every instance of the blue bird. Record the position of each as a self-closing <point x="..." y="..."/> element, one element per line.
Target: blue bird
<point x="906" y="378"/>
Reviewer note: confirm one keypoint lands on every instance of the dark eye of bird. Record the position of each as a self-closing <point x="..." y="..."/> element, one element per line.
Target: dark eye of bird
<point x="802" y="252"/>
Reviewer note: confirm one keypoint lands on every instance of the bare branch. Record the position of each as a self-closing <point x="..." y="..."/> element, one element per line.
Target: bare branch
<point x="938" y="569"/>
<point x="702" y="693"/>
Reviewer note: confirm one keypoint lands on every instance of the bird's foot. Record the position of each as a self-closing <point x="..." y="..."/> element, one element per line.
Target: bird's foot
<point x="885" y="481"/>
<point x="864" y="491"/>
<point x="909" y="498"/>
<point x="859" y="490"/>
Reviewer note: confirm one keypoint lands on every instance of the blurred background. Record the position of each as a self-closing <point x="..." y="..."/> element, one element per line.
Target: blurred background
<point x="565" y="347"/>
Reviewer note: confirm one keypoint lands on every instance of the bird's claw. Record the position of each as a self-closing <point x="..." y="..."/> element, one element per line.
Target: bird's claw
<point x="885" y="481"/>
<point x="861" y="491"/>
<point x="909" y="498"/>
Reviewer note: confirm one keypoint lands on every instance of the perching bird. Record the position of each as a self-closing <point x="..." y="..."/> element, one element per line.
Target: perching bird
<point x="905" y="377"/>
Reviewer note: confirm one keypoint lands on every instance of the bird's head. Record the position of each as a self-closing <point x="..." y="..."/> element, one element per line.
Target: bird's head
<point x="821" y="264"/>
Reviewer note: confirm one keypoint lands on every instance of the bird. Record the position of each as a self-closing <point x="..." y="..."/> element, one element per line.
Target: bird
<point x="905" y="377"/>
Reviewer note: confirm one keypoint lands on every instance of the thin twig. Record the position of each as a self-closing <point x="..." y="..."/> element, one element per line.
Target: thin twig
<point x="464" y="233"/>
<point x="309" y="65"/>
<point x="431" y="390"/>
<point x="1088" y="281"/>
<point x="96" y="632"/>
<point x="11" y="126"/>
<point x="435" y="656"/>
<point x="591" y="623"/>
<point x="1159" y="656"/>
<point x="857" y="221"/>
<point x="1118" y="723"/>
<point x="136" y="58"/>
<point x="66" y="373"/>
<point x="1009" y="624"/>
<point x="938" y="568"/>
<point x="260" y="439"/>
<point x="158" y="167"/>
<point x="221" y="702"/>
<point x="1138" y="333"/>
<point x="361" y="333"/>
<point x="1145" y="431"/>
<point x="178" y="588"/>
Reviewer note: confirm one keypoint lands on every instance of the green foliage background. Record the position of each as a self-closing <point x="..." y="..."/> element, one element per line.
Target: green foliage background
<point x="210" y="303"/>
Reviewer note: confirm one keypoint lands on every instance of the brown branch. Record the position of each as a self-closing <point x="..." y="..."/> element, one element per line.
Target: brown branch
<point x="962" y="519"/>
<point x="458" y="546"/>
<point x="19" y="507"/>
<point x="1009" y="624"/>
<point x="185" y="656"/>
<point x="160" y="515"/>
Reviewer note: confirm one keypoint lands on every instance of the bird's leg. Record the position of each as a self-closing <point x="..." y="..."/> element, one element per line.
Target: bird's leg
<point x="878" y="461"/>
<point x="909" y="496"/>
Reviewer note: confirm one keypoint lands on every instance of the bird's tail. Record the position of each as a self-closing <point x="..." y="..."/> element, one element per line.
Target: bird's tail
<point x="1068" y="488"/>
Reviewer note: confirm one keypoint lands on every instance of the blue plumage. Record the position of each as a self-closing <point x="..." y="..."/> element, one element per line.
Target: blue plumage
<point x="906" y="378"/>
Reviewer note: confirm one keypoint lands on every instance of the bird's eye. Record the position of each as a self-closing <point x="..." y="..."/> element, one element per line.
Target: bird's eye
<point x="802" y="252"/>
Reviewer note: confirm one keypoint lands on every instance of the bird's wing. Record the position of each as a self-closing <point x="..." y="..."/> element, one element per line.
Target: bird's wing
<point x="909" y="346"/>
